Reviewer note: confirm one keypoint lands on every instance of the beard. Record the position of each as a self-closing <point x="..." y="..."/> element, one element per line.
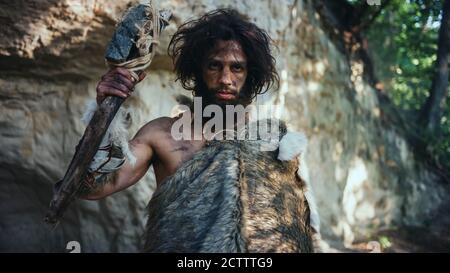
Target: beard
<point x="209" y="97"/>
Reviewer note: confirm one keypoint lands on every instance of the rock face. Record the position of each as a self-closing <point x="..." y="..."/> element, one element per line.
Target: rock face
<point x="363" y="171"/>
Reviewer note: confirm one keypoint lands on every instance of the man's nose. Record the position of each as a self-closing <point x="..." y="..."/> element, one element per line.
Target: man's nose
<point x="225" y="77"/>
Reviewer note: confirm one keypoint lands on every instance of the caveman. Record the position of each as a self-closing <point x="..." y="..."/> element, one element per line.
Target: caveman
<point x="212" y="196"/>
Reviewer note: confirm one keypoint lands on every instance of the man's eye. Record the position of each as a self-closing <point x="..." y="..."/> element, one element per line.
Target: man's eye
<point x="213" y="66"/>
<point x="237" y="68"/>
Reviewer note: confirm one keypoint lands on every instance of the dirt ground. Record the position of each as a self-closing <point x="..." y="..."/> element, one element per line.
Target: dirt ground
<point x="435" y="238"/>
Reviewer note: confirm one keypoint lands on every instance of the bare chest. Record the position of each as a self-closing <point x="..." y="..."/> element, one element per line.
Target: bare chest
<point x="171" y="154"/>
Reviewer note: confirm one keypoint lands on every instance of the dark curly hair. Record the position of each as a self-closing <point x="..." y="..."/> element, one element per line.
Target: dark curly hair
<point x="195" y="38"/>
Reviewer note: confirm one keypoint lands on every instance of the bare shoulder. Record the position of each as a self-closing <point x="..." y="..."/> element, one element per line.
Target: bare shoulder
<point x="155" y="128"/>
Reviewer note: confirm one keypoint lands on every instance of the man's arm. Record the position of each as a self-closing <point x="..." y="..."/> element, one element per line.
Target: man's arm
<point x="128" y="174"/>
<point x="119" y="82"/>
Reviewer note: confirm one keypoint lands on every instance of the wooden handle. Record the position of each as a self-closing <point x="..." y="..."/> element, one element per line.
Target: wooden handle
<point x="86" y="150"/>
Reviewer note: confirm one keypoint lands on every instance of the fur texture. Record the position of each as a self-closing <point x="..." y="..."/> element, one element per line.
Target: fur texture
<point x="117" y="132"/>
<point x="231" y="197"/>
<point x="293" y="145"/>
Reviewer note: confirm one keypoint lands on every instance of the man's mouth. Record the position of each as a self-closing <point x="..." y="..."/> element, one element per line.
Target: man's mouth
<point x="225" y="95"/>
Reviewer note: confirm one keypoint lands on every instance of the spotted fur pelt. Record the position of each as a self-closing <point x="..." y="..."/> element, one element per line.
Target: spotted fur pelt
<point x="231" y="197"/>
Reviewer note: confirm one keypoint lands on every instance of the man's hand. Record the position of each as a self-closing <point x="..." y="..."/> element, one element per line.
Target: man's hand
<point x="117" y="82"/>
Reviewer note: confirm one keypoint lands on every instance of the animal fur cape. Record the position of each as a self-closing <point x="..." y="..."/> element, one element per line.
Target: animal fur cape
<point x="231" y="197"/>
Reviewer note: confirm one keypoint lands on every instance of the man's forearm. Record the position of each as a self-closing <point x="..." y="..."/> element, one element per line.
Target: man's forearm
<point x="102" y="175"/>
<point x="97" y="186"/>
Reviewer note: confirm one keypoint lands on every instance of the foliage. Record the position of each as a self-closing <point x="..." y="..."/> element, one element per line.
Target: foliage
<point x="403" y="43"/>
<point x="384" y="242"/>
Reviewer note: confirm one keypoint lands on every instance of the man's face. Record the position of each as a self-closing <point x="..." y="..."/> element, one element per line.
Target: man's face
<point x="224" y="73"/>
